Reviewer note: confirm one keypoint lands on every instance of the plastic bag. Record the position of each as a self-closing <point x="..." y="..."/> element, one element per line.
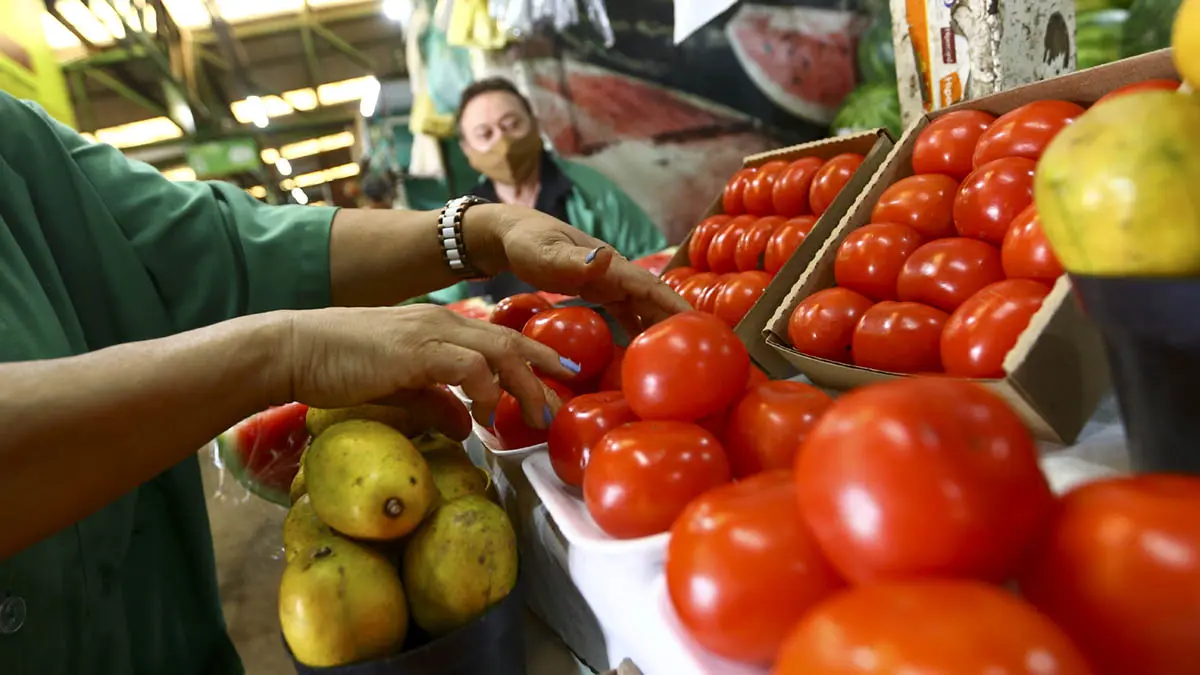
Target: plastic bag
<point x="262" y="454"/>
<point x="520" y="17"/>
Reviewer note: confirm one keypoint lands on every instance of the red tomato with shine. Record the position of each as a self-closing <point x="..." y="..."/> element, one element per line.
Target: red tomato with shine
<point x="924" y="202"/>
<point x="723" y="248"/>
<point x="708" y="301"/>
<point x="510" y="426"/>
<point x="947" y="144"/>
<point x="641" y="475"/>
<point x="1025" y="131"/>
<point x="983" y="330"/>
<point x="830" y="180"/>
<point x="757" y="197"/>
<point x="742" y="568"/>
<point x="702" y="238"/>
<point x="790" y="194"/>
<point x="969" y="508"/>
<point x="685" y="368"/>
<point x="675" y="277"/>
<point x="611" y="379"/>
<point x="578" y="426"/>
<point x="823" y="324"/>
<point x="694" y="287"/>
<point x="1120" y="571"/>
<point x="738" y="295"/>
<point x="870" y="258"/>
<point x="1146" y="85"/>
<point x="576" y="333"/>
<point x="750" y="248"/>
<point x="944" y="273"/>
<point x="735" y="190"/>
<point x="767" y="426"/>
<point x="1026" y="253"/>
<point x="928" y="626"/>
<point x="992" y="196"/>
<point x="899" y="337"/>
<point x="516" y="310"/>
<point x="785" y="240"/>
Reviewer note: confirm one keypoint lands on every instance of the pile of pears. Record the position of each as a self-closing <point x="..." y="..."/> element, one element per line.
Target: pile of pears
<point x="383" y="528"/>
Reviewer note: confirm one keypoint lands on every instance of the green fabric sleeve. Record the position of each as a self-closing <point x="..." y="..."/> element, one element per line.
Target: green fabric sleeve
<point x="213" y="251"/>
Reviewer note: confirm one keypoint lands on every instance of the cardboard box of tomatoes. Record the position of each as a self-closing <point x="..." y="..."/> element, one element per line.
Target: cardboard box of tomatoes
<point x="736" y="240"/>
<point x="940" y="264"/>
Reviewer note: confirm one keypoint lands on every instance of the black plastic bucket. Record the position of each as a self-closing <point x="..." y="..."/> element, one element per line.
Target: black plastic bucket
<point x="493" y="644"/>
<point x="1151" y="329"/>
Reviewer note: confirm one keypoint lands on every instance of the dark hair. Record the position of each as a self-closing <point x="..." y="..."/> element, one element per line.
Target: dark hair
<point x="485" y="86"/>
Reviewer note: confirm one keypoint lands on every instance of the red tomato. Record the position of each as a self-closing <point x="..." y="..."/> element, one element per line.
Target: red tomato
<point x="1025" y="131"/>
<point x="641" y="475"/>
<point x="948" y="143"/>
<point x="756" y="376"/>
<point x="767" y="426"/>
<point x="578" y="426"/>
<point x="984" y="329"/>
<point x="738" y="295"/>
<point x="750" y="248"/>
<point x="708" y="301"/>
<point x="576" y="333"/>
<point x="830" y="180"/>
<point x="742" y="568"/>
<point x="785" y="240"/>
<point x="1146" y="85"/>
<point x="695" y="286"/>
<point x="823" y="324"/>
<point x="870" y="258"/>
<point x="757" y="197"/>
<point x="675" y="277"/>
<point x="790" y="195"/>
<point x="611" y="379"/>
<point x="723" y="248"/>
<point x="1026" y="253"/>
<point x="1120" y="572"/>
<point x="899" y="337"/>
<point x="510" y="425"/>
<point x="927" y="626"/>
<point x="944" y="273"/>
<point x="702" y="238"/>
<point x="516" y="310"/>
<point x="684" y="368"/>
<point x="922" y="476"/>
<point x="735" y="189"/>
<point x="992" y="196"/>
<point x="924" y="202"/>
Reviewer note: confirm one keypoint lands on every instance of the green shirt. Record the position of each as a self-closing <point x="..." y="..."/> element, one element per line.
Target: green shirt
<point x="96" y="250"/>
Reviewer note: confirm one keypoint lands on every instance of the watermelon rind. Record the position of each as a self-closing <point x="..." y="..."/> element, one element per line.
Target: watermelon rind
<point x="876" y="55"/>
<point x="1098" y="37"/>
<point x="869" y="106"/>
<point x="231" y="458"/>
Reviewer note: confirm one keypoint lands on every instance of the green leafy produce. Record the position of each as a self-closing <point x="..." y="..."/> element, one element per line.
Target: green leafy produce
<point x="869" y="106"/>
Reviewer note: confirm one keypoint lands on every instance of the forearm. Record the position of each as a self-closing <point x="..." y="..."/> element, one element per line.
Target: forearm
<point x="381" y="258"/>
<point x="80" y="432"/>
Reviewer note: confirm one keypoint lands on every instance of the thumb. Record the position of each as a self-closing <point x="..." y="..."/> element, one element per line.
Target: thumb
<point x="576" y="266"/>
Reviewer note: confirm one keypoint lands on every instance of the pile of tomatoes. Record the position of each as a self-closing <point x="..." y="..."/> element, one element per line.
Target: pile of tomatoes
<point x="768" y="212"/>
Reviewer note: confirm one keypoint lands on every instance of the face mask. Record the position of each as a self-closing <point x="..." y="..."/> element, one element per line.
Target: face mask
<point x="510" y="161"/>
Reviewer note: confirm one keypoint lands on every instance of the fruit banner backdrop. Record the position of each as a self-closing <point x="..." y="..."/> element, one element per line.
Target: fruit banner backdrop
<point x="669" y="124"/>
<point x="28" y="68"/>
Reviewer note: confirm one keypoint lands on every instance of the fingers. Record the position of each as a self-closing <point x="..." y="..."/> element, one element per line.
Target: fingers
<point x="509" y="354"/>
<point x="454" y="364"/>
<point x="627" y="316"/>
<point x="434" y="408"/>
<point x="650" y="298"/>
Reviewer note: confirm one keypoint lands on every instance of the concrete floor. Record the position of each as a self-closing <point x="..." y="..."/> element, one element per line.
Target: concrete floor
<point x="247" y="536"/>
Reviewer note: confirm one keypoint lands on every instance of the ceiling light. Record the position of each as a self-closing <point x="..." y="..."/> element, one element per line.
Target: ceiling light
<point x="270" y="156"/>
<point x="143" y="132"/>
<point x="283" y="166"/>
<point x="258" y="192"/>
<point x="253" y="110"/>
<point x="57" y="35"/>
<point x="188" y="13"/>
<point x="370" y="98"/>
<point x="344" y="91"/>
<point x="300" y="196"/>
<point x="315" y="146"/>
<point x="322" y="176"/>
<point x="397" y="10"/>
<point x="179" y="173"/>
<point x="109" y="17"/>
<point x="76" y="14"/>
<point x="301" y="99"/>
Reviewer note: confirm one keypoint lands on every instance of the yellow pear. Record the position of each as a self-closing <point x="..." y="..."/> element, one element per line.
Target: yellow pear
<point x="298" y="488"/>
<point x="432" y="441"/>
<point x="455" y="475"/>
<point x="460" y="562"/>
<point x="302" y="529"/>
<point x="340" y="603"/>
<point x="367" y="481"/>
<point x="318" y="420"/>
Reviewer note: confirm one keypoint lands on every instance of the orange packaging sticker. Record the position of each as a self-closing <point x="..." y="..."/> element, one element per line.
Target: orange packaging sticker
<point x="942" y="54"/>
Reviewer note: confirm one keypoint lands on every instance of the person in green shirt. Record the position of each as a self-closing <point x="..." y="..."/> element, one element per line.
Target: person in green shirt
<point x="139" y="318"/>
<point x="500" y="137"/>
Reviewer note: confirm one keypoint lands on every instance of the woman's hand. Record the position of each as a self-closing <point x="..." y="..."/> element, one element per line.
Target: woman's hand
<point x="339" y="357"/>
<point x="553" y="256"/>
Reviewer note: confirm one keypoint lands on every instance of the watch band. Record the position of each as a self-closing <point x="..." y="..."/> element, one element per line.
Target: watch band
<point x="450" y="236"/>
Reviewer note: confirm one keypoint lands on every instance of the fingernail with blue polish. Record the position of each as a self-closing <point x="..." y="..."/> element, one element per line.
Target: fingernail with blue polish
<point x="592" y="254"/>
<point x="569" y="364"/>
<point x="492" y="420"/>
<point x="547" y="416"/>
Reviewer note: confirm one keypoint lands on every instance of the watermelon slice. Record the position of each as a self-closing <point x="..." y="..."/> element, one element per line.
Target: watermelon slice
<point x="263" y="452"/>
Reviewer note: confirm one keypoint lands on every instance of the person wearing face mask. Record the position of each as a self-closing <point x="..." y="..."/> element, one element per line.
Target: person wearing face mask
<point x="500" y="137"/>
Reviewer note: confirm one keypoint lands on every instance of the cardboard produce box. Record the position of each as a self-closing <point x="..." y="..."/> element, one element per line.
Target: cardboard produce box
<point x="948" y="52"/>
<point x="1057" y="372"/>
<point x="874" y="146"/>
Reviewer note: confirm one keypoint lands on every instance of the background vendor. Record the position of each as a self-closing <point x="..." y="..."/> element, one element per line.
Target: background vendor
<point x="501" y="140"/>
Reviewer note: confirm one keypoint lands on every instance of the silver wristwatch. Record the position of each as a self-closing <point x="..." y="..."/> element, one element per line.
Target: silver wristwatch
<point x="450" y="235"/>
